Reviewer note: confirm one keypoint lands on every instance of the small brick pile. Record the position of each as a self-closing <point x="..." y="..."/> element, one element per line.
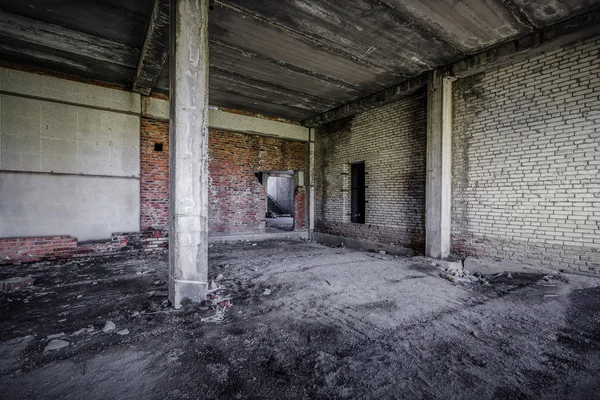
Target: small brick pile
<point x="32" y="249"/>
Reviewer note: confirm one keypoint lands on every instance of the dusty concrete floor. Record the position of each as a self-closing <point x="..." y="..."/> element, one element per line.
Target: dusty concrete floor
<point x="338" y="324"/>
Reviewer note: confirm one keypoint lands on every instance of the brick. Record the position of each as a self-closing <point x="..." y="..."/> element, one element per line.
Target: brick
<point x="392" y="141"/>
<point x="534" y="122"/>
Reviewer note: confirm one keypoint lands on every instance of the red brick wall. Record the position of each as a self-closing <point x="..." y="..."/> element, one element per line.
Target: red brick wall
<point x="30" y="249"/>
<point x="154" y="174"/>
<point x="299" y="208"/>
<point x="237" y="201"/>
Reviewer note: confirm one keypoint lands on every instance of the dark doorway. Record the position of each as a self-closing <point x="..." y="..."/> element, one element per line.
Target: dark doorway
<point x="358" y="193"/>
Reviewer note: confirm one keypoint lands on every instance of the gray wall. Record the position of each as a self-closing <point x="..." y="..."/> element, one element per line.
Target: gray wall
<point x="85" y="207"/>
<point x="69" y="159"/>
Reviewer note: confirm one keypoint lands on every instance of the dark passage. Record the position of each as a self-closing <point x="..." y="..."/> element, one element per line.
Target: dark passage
<point x="358" y="193"/>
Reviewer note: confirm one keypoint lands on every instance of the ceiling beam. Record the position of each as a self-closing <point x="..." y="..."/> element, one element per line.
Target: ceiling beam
<point x="305" y="37"/>
<point x="520" y="15"/>
<point x="374" y="100"/>
<point x="299" y="70"/>
<point x="239" y="80"/>
<point x="155" y="50"/>
<point x="427" y="32"/>
<point x="578" y="28"/>
<point x="56" y="37"/>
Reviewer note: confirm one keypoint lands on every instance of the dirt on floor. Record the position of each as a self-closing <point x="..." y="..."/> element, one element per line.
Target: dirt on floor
<point x="307" y="322"/>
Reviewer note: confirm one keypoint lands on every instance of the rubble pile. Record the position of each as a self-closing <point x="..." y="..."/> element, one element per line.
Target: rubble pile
<point x="461" y="275"/>
<point x="220" y="302"/>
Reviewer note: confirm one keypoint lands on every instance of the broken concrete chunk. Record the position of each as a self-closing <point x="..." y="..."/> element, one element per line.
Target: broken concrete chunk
<point x="56" y="344"/>
<point x="109" y="327"/>
<point x="55" y="336"/>
<point x="267" y="292"/>
<point x="123" y="332"/>
<point x="219" y="277"/>
<point x="16" y="283"/>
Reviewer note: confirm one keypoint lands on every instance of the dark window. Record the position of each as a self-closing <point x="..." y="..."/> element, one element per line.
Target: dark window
<point x="158" y="147"/>
<point x="358" y="193"/>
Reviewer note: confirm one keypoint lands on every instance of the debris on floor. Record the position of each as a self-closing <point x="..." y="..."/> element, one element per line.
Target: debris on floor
<point x="463" y="276"/>
<point x="56" y="344"/>
<point x="217" y="301"/>
<point x="16" y="283"/>
<point x="109" y="327"/>
<point x="334" y="326"/>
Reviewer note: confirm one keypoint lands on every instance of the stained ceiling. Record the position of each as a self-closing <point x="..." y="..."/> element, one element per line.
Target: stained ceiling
<point x="292" y="59"/>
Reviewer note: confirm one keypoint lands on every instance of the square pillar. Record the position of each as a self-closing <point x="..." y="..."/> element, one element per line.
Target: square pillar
<point x="188" y="157"/>
<point x="438" y="192"/>
<point x="310" y="185"/>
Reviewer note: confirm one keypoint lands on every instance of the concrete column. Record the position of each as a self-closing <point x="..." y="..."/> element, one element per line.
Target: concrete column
<point x="439" y="163"/>
<point x="188" y="191"/>
<point x="310" y="177"/>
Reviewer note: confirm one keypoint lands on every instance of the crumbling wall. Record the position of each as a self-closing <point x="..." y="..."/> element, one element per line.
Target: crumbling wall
<point x="391" y="140"/>
<point x="237" y="200"/>
<point x="526" y="159"/>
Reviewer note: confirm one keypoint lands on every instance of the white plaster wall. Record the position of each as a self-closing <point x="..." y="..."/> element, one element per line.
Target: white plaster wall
<point x="69" y="158"/>
<point x="85" y="207"/>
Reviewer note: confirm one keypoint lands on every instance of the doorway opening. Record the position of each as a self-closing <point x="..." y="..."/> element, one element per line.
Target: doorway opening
<point x="280" y="200"/>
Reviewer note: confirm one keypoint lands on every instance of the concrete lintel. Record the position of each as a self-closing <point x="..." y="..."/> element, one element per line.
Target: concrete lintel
<point x="49" y="88"/>
<point x="439" y="164"/>
<point x="374" y="155"/>
<point x="155" y="108"/>
<point x="231" y="122"/>
<point x="188" y="146"/>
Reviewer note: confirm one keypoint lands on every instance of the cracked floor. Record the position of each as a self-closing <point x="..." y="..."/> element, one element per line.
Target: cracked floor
<point x="338" y="323"/>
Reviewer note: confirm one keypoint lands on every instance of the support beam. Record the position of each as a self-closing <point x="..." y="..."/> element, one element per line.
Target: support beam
<point x="155" y="50"/>
<point x="310" y="185"/>
<point x="374" y="100"/>
<point x="188" y="158"/>
<point x="577" y="28"/>
<point x="439" y="176"/>
<point x="572" y="30"/>
<point x="73" y="42"/>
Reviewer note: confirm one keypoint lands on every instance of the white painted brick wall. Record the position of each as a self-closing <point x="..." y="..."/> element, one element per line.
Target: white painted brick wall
<point x="392" y="142"/>
<point x="526" y="159"/>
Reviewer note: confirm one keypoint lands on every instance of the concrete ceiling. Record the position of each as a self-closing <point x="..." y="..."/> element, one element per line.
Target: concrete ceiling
<point x="292" y="59"/>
